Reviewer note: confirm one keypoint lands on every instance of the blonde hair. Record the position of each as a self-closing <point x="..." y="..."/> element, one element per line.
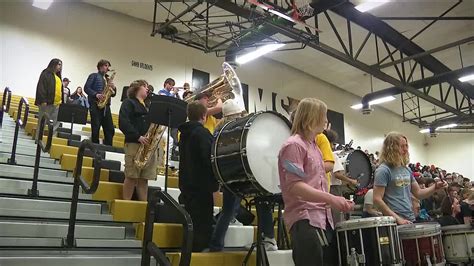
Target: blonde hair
<point x="309" y="115"/>
<point x="391" y="150"/>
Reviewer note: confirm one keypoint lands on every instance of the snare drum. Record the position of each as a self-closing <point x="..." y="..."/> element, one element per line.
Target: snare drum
<point x="369" y="241"/>
<point x="458" y="242"/>
<point x="245" y="153"/>
<point x="422" y="244"/>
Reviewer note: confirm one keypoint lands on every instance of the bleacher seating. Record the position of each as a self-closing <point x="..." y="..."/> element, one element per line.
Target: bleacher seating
<point x="105" y="219"/>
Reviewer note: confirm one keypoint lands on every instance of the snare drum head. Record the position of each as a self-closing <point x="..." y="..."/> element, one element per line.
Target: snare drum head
<point x="423" y="229"/>
<point x="266" y="135"/>
<point x="358" y="166"/>
<point x="366" y="222"/>
<point x="455" y="229"/>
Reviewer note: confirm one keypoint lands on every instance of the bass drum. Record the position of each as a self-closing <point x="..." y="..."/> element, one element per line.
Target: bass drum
<point x="245" y="153"/>
<point x="358" y="166"/>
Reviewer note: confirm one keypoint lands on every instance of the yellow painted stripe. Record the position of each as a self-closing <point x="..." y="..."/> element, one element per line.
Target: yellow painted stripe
<point x="108" y="191"/>
<point x="164" y="235"/>
<point x="58" y="150"/>
<point x="214" y="258"/>
<point x="88" y="172"/>
<point x="68" y="162"/>
<point x="128" y="211"/>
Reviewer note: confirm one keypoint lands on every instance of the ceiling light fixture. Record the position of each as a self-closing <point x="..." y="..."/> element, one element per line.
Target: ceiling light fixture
<point x="258" y="53"/>
<point x="374" y="102"/>
<point x="370" y="4"/>
<point x="43" y="4"/>
<point x="427" y="130"/>
<point x="466" y="78"/>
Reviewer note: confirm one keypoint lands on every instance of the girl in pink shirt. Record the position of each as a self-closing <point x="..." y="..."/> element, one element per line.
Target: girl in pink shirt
<point x="304" y="187"/>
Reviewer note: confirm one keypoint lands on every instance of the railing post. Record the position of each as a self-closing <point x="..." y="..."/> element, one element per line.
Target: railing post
<point x="5" y="107"/>
<point x="149" y="224"/>
<point x="18" y="124"/>
<point x="78" y="181"/>
<point x="33" y="192"/>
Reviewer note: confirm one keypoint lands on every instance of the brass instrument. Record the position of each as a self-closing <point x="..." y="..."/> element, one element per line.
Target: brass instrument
<point x="108" y="91"/>
<point x="225" y="87"/>
<point x="145" y="152"/>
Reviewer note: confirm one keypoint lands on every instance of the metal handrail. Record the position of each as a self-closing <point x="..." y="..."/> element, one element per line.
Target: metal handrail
<point x="155" y="196"/>
<point x="79" y="181"/>
<point x="40" y="146"/>
<point x="5" y="108"/>
<point x="19" y="123"/>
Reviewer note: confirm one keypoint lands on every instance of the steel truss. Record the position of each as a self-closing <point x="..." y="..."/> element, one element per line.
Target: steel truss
<point x="231" y="26"/>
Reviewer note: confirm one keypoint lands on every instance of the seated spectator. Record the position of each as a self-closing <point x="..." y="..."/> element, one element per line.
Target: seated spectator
<point x="369" y="209"/>
<point x="465" y="214"/>
<point x="78" y="97"/>
<point x="449" y="209"/>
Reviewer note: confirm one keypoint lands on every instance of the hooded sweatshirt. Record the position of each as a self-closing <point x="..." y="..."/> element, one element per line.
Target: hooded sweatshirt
<point x="195" y="169"/>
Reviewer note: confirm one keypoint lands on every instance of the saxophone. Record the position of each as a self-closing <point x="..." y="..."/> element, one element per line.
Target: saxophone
<point x="107" y="92"/>
<point x="145" y="152"/>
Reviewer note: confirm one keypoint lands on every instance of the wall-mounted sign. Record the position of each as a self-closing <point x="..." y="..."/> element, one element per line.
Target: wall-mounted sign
<point x="142" y="65"/>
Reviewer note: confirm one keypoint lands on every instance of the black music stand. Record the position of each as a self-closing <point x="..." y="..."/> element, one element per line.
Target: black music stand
<point x="72" y="113"/>
<point x="167" y="111"/>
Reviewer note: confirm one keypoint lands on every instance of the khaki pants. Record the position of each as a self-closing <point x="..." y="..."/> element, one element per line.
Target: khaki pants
<point x="149" y="172"/>
<point x="52" y="112"/>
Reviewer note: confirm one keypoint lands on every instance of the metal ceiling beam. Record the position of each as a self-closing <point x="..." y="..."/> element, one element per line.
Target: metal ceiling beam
<point x="293" y="33"/>
<point x="398" y="40"/>
<point x="428" y="52"/>
<point x="297" y="35"/>
<point x="426" y="18"/>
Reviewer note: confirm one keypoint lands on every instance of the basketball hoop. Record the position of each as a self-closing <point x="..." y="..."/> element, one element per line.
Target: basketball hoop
<point x="302" y="9"/>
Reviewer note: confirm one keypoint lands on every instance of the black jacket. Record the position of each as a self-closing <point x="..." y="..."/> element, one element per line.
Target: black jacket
<point x="133" y="120"/>
<point x="45" y="90"/>
<point x="195" y="170"/>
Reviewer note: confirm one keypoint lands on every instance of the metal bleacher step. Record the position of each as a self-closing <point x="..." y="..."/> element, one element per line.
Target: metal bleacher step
<point x="31" y="151"/>
<point x="59" y="230"/>
<point x="47" y="205"/>
<point x="101" y="259"/>
<point x="26" y="160"/>
<point x="25" y="172"/>
<point x="53" y="215"/>
<point x="52" y="190"/>
<point x="42" y="242"/>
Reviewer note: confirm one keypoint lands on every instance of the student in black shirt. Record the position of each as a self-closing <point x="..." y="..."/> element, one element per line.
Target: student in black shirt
<point x="196" y="178"/>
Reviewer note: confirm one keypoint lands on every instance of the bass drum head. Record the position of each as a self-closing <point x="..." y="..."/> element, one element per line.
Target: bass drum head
<point x="358" y="166"/>
<point x="267" y="133"/>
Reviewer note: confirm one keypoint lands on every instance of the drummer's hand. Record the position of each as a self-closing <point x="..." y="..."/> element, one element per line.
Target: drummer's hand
<point x="342" y="204"/>
<point x="353" y="182"/>
<point x="440" y="185"/>
<point x="401" y="221"/>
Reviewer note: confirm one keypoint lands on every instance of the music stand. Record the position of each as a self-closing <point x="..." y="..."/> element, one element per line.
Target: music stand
<point x="72" y="113"/>
<point x="170" y="112"/>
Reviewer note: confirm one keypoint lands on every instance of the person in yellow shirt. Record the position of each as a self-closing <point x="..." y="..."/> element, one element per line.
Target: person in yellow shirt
<point x="328" y="157"/>
<point x="49" y="92"/>
<point x="211" y="121"/>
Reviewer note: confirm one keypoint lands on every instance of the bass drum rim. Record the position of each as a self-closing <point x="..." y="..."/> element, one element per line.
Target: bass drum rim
<point x="243" y="154"/>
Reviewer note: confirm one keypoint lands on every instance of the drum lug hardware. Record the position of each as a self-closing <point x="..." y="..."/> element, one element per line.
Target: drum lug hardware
<point x="355" y="259"/>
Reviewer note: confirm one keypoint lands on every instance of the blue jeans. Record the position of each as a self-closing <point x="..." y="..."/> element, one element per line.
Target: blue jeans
<point x="230" y="208"/>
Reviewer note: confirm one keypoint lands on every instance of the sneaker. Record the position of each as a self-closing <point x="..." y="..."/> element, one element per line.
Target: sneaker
<point x="270" y="244"/>
<point x="236" y="222"/>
